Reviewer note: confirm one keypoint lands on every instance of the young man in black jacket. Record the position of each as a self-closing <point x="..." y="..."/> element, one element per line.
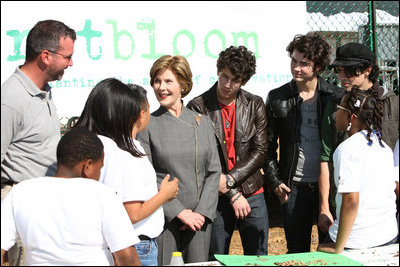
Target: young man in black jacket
<point x="239" y="122"/>
<point x="294" y="114"/>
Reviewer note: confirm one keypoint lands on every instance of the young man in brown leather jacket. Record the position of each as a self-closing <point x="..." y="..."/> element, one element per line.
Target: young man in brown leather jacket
<point x="239" y="121"/>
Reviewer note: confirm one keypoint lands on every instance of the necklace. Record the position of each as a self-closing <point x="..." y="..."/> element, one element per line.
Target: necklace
<point x="227" y="119"/>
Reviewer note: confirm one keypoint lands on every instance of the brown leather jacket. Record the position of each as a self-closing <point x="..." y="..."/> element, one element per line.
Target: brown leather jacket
<point x="250" y="136"/>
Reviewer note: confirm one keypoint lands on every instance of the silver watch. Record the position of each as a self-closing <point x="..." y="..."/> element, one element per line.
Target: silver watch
<point x="229" y="182"/>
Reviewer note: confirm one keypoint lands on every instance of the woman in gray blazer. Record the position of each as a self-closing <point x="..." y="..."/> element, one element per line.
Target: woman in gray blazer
<point x="181" y="142"/>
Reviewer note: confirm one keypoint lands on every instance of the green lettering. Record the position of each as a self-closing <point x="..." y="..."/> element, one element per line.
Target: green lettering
<point x="91" y="83"/>
<point x="212" y="79"/>
<point x="191" y="38"/>
<point x="220" y="36"/>
<point x="196" y="78"/>
<point x="67" y="83"/>
<point x="245" y="37"/>
<point x="150" y="26"/>
<point x="75" y="82"/>
<point x="18" y="37"/>
<point x="88" y="34"/>
<point x="117" y="35"/>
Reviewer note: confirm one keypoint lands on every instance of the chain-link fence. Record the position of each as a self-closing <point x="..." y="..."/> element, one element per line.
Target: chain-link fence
<point x="373" y="23"/>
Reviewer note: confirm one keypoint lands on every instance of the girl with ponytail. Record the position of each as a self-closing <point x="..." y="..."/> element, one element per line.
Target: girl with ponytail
<point x="364" y="177"/>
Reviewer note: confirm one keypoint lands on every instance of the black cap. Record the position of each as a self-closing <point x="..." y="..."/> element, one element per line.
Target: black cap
<point x="353" y="54"/>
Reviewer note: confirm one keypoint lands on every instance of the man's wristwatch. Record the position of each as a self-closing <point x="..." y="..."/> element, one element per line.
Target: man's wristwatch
<point x="229" y="181"/>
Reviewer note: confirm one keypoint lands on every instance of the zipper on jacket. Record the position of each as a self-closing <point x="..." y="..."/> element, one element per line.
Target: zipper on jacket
<point x="298" y="102"/>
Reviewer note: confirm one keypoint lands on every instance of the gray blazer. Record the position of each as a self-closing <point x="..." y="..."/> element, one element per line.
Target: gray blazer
<point x="185" y="148"/>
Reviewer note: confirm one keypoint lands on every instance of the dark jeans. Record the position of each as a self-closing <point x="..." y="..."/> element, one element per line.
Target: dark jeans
<point x="253" y="229"/>
<point x="299" y="214"/>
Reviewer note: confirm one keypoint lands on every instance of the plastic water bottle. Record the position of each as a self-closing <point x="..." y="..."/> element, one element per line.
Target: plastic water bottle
<point x="177" y="259"/>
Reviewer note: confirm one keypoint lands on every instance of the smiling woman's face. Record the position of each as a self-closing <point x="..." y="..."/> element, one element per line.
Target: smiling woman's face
<point x="167" y="89"/>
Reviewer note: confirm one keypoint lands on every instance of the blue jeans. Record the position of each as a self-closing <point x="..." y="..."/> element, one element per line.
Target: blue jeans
<point x="253" y="229"/>
<point x="147" y="251"/>
<point x="299" y="214"/>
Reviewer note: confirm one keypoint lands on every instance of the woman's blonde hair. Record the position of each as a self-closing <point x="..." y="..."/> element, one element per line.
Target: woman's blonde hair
<point x="179" y="66"/>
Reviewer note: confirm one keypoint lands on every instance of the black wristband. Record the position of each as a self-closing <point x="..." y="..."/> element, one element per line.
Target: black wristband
<point x="231" y="193"/>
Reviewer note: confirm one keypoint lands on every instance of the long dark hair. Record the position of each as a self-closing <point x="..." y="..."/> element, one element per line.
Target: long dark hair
<point x="111" y="110"/>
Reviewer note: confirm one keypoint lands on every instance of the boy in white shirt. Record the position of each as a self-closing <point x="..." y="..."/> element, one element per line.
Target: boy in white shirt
<point x="66" y="219"/>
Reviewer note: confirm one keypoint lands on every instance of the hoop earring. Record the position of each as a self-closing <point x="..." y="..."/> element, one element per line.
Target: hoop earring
<point x="348" y="127"/>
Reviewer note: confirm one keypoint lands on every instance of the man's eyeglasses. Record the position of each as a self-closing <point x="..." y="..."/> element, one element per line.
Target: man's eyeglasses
<point x="68" y="58"/>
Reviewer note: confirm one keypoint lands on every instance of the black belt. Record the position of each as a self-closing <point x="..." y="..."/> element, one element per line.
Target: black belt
<point x="144" y="237"/>
<point x="306" y="184"/>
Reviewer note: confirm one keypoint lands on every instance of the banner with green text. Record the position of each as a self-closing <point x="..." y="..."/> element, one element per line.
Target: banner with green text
<point x="123" y="39"/>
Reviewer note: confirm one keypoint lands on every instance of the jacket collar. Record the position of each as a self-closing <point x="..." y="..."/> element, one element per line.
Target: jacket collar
<point x="241" y="112"/>
<point x="322" y="86"/>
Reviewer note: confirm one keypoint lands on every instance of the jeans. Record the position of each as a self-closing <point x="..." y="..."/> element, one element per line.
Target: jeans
<point x="299" y="214"/>
<point x="253" y="229"/>
<point x="147" y="251"/>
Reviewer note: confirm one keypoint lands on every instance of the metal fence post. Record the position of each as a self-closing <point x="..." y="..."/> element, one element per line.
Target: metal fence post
<point x="372" y="27"/>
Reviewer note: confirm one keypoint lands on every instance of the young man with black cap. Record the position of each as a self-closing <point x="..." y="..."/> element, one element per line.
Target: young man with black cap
<point x="355" y="65"/>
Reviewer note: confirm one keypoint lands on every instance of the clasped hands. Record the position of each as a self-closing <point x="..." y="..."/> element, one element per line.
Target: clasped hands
<point x="192" y="220"/>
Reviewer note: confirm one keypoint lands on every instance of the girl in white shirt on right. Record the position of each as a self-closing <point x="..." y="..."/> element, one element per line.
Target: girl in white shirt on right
<point x="364" y="176"/>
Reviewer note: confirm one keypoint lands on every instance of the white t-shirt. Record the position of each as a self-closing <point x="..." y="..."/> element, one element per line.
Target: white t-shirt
<point x="396" y="160"/>
<point x="368" y="170"/>
<point x="61" y="221"/>
<point x="133" y="179"/>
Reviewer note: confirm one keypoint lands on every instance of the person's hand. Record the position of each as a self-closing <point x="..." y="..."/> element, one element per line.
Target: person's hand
<point x="169" y="187"/>
<point x="222" y="184"/>
<point x="328" y="248"/>
<point x="325" y="221"/>
<point x="240" y="206"/>
<point x="282" y="191"/>
<point x="191" y="220"/>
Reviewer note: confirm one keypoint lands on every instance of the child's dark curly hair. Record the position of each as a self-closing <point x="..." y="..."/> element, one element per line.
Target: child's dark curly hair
<point x="367" y="106"/>
<point x="77" y="145"/>
<point x="240" y="61"/>
<point x="314" y="47"/>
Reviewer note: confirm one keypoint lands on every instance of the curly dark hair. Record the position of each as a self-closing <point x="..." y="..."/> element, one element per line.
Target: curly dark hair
<point x="367" y="106"/>
<point x="78" y="145"/>
<point x="240" y="61"/>
<point x="314" y="47"/>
